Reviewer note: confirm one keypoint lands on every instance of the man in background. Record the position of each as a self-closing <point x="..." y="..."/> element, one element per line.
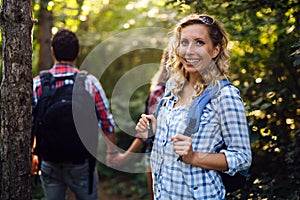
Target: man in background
<point x="60" y="170"/>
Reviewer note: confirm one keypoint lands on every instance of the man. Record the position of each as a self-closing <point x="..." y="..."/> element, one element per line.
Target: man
<point x="57" y="176"/>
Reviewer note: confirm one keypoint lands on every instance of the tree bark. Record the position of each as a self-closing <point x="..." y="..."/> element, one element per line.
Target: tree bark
<point x="16" y="99"/>
<point x="44" y="36"/>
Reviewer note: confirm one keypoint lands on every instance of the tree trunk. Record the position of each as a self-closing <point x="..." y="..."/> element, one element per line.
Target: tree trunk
<point x="16" y="100"/>
<point x="45" y="19"/>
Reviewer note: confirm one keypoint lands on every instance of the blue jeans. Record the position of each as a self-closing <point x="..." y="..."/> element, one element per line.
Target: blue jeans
<point x="56" y="178"/>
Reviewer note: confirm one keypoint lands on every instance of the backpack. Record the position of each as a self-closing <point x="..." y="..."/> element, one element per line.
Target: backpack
<point x="65" y="120"/>
<point x="231" y="183"/>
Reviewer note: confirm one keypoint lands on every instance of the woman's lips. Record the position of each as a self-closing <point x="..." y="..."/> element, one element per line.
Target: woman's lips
<point x="191" y="61"/>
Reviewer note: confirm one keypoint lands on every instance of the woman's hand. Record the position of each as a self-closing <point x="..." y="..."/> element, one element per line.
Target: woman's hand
<point x="118" y="160"/>
<point x="110" y="158"/>
<point x="183" y="147"/>
<point x="143" y="126"/>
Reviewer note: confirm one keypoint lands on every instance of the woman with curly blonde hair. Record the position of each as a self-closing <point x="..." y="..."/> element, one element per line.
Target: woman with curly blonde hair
<point x="217" y="68"/>
<point x="198" y="60"/>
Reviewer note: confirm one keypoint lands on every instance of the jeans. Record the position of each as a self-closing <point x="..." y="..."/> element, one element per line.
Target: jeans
<point x="57" y="177"/>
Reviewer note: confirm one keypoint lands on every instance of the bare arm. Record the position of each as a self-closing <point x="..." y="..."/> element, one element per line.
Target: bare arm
<point x="135" y="145"/>
<point x="212" y="161"/>
<point x="110" y="141"/>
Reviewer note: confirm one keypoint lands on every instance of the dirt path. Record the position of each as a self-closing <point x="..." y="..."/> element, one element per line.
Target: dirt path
<point x="102" y="195"/>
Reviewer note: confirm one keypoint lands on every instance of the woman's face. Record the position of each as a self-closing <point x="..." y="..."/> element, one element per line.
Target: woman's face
<point x="196" y="48"/>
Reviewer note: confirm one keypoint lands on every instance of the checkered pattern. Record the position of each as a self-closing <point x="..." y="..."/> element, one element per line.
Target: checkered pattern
<point x="154" y="97"/>
<point x="223" y="121"/>
<point x="93" y="86"/>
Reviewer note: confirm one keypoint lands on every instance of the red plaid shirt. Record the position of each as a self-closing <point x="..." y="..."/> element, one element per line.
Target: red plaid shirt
<point x="93" y="86"/>
<point x="154" y="97"/>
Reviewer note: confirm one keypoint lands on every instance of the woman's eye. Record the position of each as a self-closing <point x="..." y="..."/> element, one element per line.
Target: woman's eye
<point x="199" y="43"/>
<point x="184" y="42"/>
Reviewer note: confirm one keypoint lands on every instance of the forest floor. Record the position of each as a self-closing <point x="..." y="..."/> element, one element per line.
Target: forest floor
<point x="103" y="194"/>
<point x="115" y="186"/>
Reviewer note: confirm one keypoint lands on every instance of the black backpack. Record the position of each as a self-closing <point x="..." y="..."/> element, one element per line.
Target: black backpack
<point x="65" y="123"/>
<point x="231" y="183"/>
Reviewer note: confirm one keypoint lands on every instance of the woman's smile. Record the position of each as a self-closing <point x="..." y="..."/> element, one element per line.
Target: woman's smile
<point x="192" y="61"/>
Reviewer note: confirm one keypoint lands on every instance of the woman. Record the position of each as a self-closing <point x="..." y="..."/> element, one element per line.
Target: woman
<point x="198" y="59"/>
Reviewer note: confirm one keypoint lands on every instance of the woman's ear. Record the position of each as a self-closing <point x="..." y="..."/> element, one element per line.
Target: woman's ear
<point x="216" y="51"/>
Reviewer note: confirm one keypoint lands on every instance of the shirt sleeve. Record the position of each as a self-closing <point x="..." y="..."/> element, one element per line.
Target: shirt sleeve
<point x="37" y="90"/>
<point x="235" y="130"/>
<point x="154" y="98"/>
<point x="105" y="118"/>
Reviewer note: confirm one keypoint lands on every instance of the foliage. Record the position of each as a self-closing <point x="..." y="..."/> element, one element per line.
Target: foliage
<point x="265" y="49"/>
<point x="296" y="54"/>
<point x="262" y="34"/>
<point x="129" y="186"/>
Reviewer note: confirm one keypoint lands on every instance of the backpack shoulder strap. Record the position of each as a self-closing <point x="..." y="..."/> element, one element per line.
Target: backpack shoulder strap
<point x="160" y="102"/>
<point x="80" y="84"/>
<point x="158" y="106"/>
<point x="198" y="105"/>
<point x="46" y="83"/>
<point x="82" y="74"/>
<point x="80" y="79"/>
<point x="46" y="80"/>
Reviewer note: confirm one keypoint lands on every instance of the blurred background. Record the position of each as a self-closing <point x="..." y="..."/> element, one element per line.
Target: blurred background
<point x="265" y="50"/>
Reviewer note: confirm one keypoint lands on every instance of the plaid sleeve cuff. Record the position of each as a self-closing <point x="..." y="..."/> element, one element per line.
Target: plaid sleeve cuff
<point x="230" y="159"/>
<point x="236" y="162"/>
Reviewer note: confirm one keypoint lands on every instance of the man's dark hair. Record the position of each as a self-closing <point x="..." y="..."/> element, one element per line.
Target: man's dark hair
<point x="65" y="45"/>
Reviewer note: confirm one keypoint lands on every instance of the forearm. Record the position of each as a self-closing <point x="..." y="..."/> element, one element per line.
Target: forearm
<point x="110" y="141"/>
<point x="134" y="147"/>
<point x="212" y="161"/>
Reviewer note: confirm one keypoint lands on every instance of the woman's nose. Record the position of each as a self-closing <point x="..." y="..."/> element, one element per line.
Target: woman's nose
<point x="190" y="49"/>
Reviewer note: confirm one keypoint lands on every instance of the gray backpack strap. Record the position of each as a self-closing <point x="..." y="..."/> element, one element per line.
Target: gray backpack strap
<point x="197" y="107"/>
<point x="80" y="77"/>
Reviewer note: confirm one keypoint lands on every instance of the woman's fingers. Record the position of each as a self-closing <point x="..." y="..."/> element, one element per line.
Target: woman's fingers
<point x="182" y="144"/>
<point x="180" y="137"/>
<point x="143" y="126"/>
<point x="144" y="122"/>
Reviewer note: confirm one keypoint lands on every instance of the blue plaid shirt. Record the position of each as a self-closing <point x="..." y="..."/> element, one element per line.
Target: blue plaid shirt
<point x="223" y="121"/>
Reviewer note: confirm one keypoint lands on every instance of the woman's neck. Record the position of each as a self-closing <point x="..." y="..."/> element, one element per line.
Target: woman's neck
<point x="193" y="79"/>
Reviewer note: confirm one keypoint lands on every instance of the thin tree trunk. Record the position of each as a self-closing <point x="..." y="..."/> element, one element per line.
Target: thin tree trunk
<point x="45" y="19"/>
<point x="16" y="99"/>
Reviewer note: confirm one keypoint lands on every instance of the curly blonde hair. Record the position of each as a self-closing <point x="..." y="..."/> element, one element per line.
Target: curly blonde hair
<point x="219" y="66"/>
<point x="161" y="76"/>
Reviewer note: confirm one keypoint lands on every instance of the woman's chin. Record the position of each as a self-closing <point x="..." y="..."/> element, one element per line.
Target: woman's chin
<point x="192" y="69"/>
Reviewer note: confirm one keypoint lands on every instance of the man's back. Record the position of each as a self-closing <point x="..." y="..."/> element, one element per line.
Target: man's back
<point x="70" y="170"/>
<point x="64" y="118"/>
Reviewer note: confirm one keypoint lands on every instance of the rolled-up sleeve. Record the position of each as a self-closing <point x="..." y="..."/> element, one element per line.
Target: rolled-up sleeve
<point x="235" y="130"/>
<point x="105" y="118"/>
